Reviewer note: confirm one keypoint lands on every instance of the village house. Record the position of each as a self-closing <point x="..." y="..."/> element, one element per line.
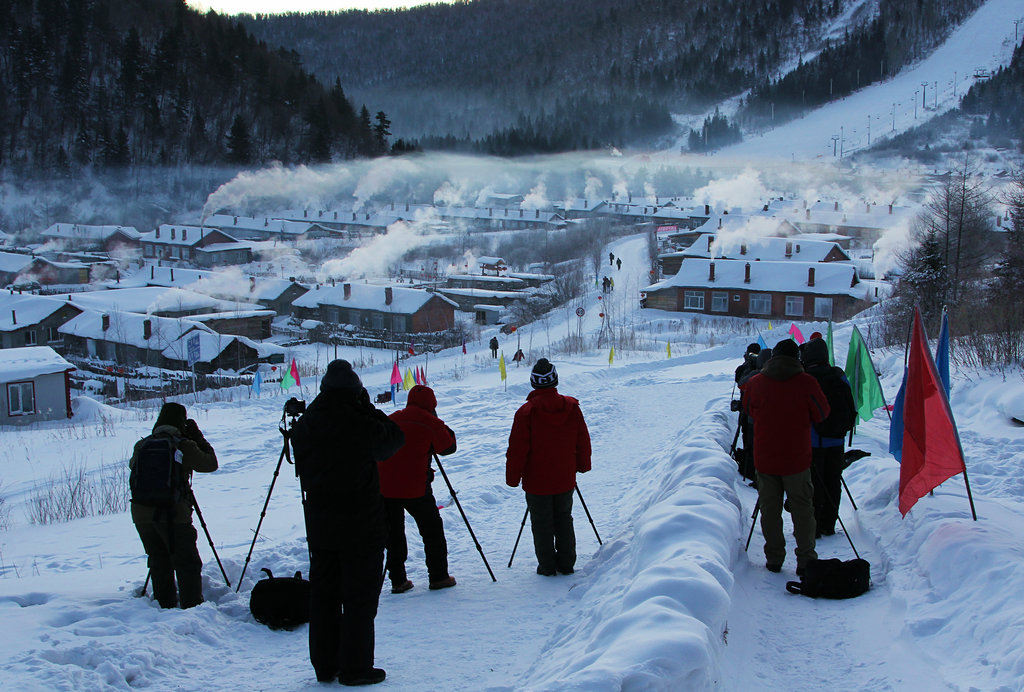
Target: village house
<point x="35" y="385"/>
<point x="32" y="320"/>
<point x="77" y="236"/>
<point x="766" y="248"/>
<point x="195" y="245"/>
<point x="761" y="289"/>
<point x="268" y="293"/>
<point x="265" y="228"/>
<point x="381" y="308"/>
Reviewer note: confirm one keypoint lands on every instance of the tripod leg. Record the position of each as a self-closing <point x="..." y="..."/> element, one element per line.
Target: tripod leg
<point x="753" y="523"/>
<point x="848" y="494"/>
<point x="142" y="592"/>
<point x="582" y="502"/>
<point x="263" y="513"/>
<point x="516" y="546"/>
<point x="464" y="517"/>
<point x="202" y="522"/>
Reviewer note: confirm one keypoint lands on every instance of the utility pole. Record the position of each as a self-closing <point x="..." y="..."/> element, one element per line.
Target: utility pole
<point x="916" y="92"/>
<point x="1015" y="23"/>
<point x="842" y="140"/>
<point x="893" y="117"/>
<point x="954" y="84"/>
<point x="924" y="94"/>
<point x="935" y="88"/>
<point x="835" y="142"/>
<point x="869" y="130"/>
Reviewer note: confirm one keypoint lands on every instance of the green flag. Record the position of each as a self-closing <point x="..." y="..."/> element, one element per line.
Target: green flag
<point x="287" y="380"/>
<point x="860" y="371"/>
<point x="831" y="348"/>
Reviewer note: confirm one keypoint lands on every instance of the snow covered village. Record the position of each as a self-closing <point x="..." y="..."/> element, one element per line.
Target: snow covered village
<point x="645" y="279"/>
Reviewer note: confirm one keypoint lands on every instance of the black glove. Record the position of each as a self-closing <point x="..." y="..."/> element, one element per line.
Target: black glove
<point x="430" y="475"/>
<point x="192" y="431"/>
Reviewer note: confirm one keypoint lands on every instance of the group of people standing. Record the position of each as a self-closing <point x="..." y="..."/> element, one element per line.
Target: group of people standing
<point x="789" y="427"/>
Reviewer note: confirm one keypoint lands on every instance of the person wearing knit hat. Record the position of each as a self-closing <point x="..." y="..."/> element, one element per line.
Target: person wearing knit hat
<point x="548" y="445"/>
<point x="338" y="442"/>
<point x="784" y="402"/>
<point x="405" y="480"/>
<point x="167" y="533"/>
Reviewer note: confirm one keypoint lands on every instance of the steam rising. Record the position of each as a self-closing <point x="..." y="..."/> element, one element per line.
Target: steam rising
<point x="375" y="257"/>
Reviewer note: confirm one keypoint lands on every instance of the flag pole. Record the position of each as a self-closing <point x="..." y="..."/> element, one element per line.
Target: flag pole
<point x="970" y="498"/>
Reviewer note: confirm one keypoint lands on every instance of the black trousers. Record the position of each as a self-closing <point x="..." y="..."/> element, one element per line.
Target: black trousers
<point x="424" y="512"/>
<point x="344" y="590"/>
<point x="171" y="549"/>
<point x="554" y="539"/>
<point x="827" y="475"/>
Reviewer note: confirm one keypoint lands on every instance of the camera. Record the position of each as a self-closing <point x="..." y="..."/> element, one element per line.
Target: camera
<point x="735" y="405"/>
<point x="294" y="407"/>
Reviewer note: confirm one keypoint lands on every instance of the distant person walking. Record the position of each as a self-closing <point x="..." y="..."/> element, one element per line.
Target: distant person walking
<point x="405" y="480"/>
<point x="548" y="445"/>
<point x="618" y="263"/>
<point x="784" y="401"/>
<point x="338" y="442"/>
<point x="611" y="258"/>
<point x="494" y="347"/>
<point x="176" y="448"/>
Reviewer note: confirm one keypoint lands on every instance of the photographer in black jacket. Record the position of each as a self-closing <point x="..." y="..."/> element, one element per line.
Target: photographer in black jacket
<point x="338" y="442"/>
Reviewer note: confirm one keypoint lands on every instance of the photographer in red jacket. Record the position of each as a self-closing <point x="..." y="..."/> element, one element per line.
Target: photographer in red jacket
<point x="405" y="484"/>
<point x="548" y="445"/>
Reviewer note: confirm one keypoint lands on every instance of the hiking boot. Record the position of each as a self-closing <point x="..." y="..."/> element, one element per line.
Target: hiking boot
<point x="772" y="567"/>
<point x="445" y="583"/>
<point x="366" y="677"/>
<point x="828" y="531"/>
<point x="566" y="571"/>
<point x="545" y="571"/>
<point x="401" y="588"/>
<point x="325" y="676"/>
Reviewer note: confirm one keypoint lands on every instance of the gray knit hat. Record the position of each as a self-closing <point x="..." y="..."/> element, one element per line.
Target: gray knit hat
<point x="544" y="375"/>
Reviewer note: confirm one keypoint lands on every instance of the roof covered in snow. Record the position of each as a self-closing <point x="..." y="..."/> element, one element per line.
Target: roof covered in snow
<point x="19" y="310"/>
<point x="404" y="301"/>
<point x="830" y="278"/>
<point x="128" y="328"/>
<point x="711" y="245"/>
<point x="14" y="262"/>
<point x="80" y="231"/>
<point x="145" y="299"/>
<point x="29" y="362"/>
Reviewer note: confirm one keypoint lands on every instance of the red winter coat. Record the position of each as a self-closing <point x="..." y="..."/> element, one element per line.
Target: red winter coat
<point x="407" y="473"/>
<point x="548" y="445"/>
<point x="784" y="402"/>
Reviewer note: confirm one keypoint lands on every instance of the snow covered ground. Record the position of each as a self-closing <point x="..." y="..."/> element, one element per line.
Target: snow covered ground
<point x="670" y="601"/>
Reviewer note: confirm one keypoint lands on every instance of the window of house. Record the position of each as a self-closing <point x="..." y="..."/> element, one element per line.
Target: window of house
<point x="794" y="305"/>
<point x="21" y="398"/>
<point x="52" y="334"/>
<point x="823" y="308"/>
<point x="760" y="303"/>
<point x="185" y="253"/>
<point x="175" y="252"/>
<point x="30" y="337"/>
<point x="378" y="320"/>
<point x="149" y="250"/>
<point x="332" y="315"/>
<point x="719" y="301"/>
<point x="693" y="300"/>
<point x="398" y="323"/>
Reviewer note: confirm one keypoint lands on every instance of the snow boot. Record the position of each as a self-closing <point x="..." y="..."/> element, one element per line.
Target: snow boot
<point x="445" y="583"/>
<point x="401" y="588"/>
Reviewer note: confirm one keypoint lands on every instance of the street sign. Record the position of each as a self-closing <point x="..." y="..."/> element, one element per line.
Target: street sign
<point x="580" y="312"/>
<point x="192" y="348"/>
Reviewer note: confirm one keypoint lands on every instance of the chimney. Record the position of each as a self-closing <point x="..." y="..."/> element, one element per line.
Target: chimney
<point x="266" y="221"/>
<point x="890" y="209"/>
<point x="711" y="239"/>
<point x="305" y="213"/>
<point x="630" y="198"/>
<point x="147" y="329"/>
<point x="388" y="295"/>
<point x="172" y="232"/>
<point x="353" y="216"/>
<point x="836" y="206"/>
<point x="711" y="271"/>
<point x="347" y="290"/>
<point x="810" y="276"/>
<point x="236" y="221"/>
<point x="335" y="216"/>
<point x="14" y="317"/>
<point x="392" y="205"/>
<point x="172" y="275"/>
<point x="320" y="214"/>
<point x="158" y="233"/>
<point x="867" y="208"/>
<point x="789" y="249"/>
<point x="252" y="284"/>
<point x="585" y="205"/>
<point x="807" y="214"/>
<point x="184" y="234"/>
<point x="152" y="271"/>
<point x="746" y="273"/>
<point x="764" y="208"/>
<point x="536" y="214"/>
<point x="719" y="221"/>
<point x="707" y="209"/>
<point x="743" y="249"/>
<point x="104" y="322"/>
<point x="407" y="206"/>
<point x="333" y="284"/>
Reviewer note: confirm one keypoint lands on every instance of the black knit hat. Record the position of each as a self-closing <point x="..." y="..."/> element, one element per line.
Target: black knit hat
<point x="172" y="413"/>
<point x="814" y="351"/>
<point x="754" y="348"/>
<point x="786" y="347"/>
<point x="341" y="377"/>
<point x="544" y="375"/>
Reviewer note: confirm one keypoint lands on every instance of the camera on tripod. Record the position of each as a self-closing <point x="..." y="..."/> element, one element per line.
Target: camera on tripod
<point x="294" y="407"/>
<point x="735" y="405"/>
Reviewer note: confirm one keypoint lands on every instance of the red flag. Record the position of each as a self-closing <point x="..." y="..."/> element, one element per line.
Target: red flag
<point x="423" y="376"/>
<point x="463" y="348"/>
<point x="412" y="351"/>
<point x="931" y="445"/>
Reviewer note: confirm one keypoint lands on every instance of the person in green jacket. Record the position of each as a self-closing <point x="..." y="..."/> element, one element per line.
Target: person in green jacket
<point x="167" y="534"/>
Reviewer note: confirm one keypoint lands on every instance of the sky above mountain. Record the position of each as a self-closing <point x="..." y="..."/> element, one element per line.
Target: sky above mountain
<point x="282" y="6"/>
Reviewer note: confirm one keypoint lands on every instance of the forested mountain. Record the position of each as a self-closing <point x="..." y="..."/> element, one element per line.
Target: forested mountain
<point x="112" y="83"/>
<point x="568" y="74"/>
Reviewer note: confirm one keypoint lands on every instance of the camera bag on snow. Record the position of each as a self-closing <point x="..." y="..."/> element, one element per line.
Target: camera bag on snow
<point x="157" y="477"/>
<point x="833" y="578"/>
<point x="280" y="603"/>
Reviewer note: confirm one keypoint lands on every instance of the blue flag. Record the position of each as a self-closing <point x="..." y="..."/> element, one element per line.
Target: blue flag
<point x="942" y="353"/>
<point x="760" y="341"/>
<point x="257" y="383"/>
<point x="896" y="424"/>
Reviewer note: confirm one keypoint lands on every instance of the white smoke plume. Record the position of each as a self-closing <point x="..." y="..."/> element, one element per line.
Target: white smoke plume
<point x="594" y="187"/>
<point x="301" y="186"/>
<point x="383" y="174"/>
<point x="452" y="194"/>
<point x="620" y="191"/>
<point x="743" y="191"/>
<point x="537" y="198"/>
<point x="895" y="243"/>
<point x="375" y="257"/>
<point x="650" y="191"/>
<point x="730" y="237"/>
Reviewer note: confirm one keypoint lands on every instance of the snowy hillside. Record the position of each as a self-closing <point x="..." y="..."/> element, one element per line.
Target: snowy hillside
<point x="670" y="601"/>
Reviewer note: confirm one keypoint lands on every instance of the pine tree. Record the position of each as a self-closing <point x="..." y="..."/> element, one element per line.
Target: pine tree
<point x="239" y="144"/>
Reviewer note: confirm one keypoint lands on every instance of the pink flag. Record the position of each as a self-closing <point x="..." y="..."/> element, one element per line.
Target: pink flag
<point x="295" y="373"/>
<point x="396" y="374"/>
<point x="794" y="331"/>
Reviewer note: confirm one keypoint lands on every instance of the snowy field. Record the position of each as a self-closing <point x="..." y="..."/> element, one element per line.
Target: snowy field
<point x="670" y="601"/>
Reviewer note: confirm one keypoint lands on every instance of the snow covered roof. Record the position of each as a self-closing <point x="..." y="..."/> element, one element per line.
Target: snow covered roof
<point x="579" y="204"/>
<point x="14" y="262"/>
<point x="479" y="278"/>
<point x="490" y="260"/>
<point x="830" y="278"/>
<point x="145" y="299"/>
<point x="174" y="234"/>
<point x="79" y="231"/>
<point x="484" y="293"/>
<point x="711" y="245"/>
<point x="264" y="224"/>
<point x="128" y="328"/>
<point x="232" y="315"/>
<point x="18" y="310"/>
<point x="369" y="297"/>
<point x="211" y="345"/>
<point x="29" y="362"/>
<point x="224" y="247"/>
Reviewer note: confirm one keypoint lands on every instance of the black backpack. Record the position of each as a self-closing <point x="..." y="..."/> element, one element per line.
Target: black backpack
<point x="157" y="478"/>
<point x="833" y="578"/>
<point x="280" y="603"/>
<point x="843" y="413"/>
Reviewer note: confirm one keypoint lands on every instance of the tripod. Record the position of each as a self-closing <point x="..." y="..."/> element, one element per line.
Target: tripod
<point x="527" y="513"/>
<point x="285" y="429"/>
<point x="464" y="518"/>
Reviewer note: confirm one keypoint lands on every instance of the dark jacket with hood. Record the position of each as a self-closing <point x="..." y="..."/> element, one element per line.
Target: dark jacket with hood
<point x="338" y="442"/>
<point x="548" y="445"/>
<point x="815" y="360"/>
<point x="196" y="455"/>
<point x="406" y="474"/>
<point x="784" y="402"/>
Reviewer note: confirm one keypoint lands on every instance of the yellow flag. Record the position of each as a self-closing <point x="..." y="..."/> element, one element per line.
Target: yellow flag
<point x="409" y="382"/>
<point x="501" y="365"/>
<point x="611" y="355"/>
<point x="668" y="348"/>
<point x="769" y="324"/>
